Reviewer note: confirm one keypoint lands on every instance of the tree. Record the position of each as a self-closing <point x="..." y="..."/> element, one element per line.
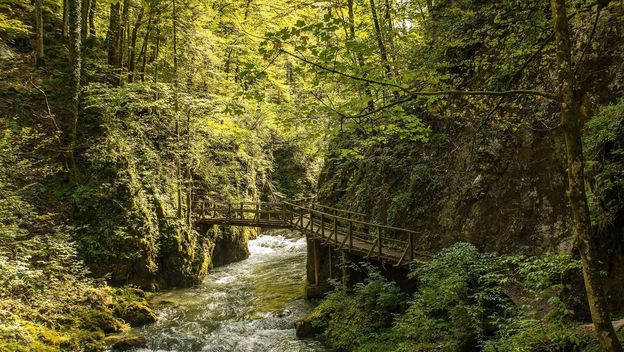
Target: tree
<point x="585" y="237"/>
<point x="113" y="38"/>
<point x="75" y="58"/>
<point x="39" y="53"/>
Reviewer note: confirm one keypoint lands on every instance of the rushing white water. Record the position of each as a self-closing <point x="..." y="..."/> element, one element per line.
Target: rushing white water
<point x="243" y="307"/>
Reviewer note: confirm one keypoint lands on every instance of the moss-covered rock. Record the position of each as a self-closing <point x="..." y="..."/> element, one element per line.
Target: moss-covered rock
<point x="313" y="324"/>
<point x="103" y="319"/>
<point x="131" y="306"/>
<point x="126" y="342"/>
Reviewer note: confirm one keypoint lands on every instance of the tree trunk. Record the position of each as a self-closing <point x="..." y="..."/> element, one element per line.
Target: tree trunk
<point x="383" y="53"/>
<point x="112" y="38"/>
<point x="92" y="10"/>
<point x="585" y="237"/>
<point x="124" y="42"/>
<point x="65" y="30"/>
<point x="132" y="51"/>
<point x="390" y="30"/>
<point x="39" y="53"/>
<point x="74" y="15"/>
<point x="156" y="54"/>
<point x="360" y="58"/>
<point x="143" y="53"/>
<point x="84" y="19"/>
<point x="176" y="106"/>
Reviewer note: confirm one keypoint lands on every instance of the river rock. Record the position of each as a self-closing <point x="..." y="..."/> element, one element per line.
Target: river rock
<point x="126" y="342"/>
<point x="307" y="329"/>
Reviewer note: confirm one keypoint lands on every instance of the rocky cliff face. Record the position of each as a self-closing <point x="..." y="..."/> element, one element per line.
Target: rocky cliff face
<point x="502" y="192"/>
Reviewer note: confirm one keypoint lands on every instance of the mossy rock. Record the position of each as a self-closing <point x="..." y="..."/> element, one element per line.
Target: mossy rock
<point x="313" y="325"/>
<point x="126" y="342"/>
<point x="131" y="306"/>
<point x="103" y="320"/>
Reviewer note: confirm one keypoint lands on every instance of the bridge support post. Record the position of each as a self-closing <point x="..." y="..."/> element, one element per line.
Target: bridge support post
<point x="321" y="268"/>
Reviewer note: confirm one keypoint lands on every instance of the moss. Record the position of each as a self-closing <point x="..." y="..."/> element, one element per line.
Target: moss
<point x="126" y="342"/>
<point x="313" y="324"/>
<point x="30" y="336"/>
<point x="103" y="320"/>
<point x="131" y="306"/>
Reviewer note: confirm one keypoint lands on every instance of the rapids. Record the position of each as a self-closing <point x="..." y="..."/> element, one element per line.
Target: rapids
<point x="247" y="306"/>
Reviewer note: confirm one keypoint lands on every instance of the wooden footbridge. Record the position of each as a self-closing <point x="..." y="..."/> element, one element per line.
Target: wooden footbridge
<point x="341" y="229"/>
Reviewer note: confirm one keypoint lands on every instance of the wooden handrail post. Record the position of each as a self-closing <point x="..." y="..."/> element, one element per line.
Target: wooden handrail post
<point x="301" y="217"/>
<point x="335" y="230"/>
<point x="350" y="235"/>
<point x="229" y="211"/>
<point x="312" y="224"/>
<point x="322" y="226"/>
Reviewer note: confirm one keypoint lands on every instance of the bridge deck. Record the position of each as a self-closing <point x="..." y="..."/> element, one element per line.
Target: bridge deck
<point x="347" y="231"/>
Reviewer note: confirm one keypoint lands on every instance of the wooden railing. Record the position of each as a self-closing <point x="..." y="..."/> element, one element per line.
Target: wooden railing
<point x="342" y="229"/>
<point x="260" y="214"/>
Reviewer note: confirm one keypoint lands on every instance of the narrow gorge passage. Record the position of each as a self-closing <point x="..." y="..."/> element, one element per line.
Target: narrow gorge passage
<point x="250" y="305"/>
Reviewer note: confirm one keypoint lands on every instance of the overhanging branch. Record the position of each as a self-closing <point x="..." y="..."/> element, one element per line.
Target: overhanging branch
<point x="415" y="95"/>
<point x="344" y="74"/>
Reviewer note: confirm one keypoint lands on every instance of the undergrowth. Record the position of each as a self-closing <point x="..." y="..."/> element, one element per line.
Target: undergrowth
<point x="466" y="301"/>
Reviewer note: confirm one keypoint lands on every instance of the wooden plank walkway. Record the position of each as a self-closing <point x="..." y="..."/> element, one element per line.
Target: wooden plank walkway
<point x="342" y="229"/>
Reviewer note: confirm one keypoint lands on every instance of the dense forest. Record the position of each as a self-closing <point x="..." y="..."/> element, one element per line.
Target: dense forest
<point x="494" y="129"/>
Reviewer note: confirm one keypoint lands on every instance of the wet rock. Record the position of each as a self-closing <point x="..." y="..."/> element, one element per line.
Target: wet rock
<point x="307" y="329"/>
<point x="126" y="342"/>
<point x="137" y="314"/>
<point x="283" y="314"/>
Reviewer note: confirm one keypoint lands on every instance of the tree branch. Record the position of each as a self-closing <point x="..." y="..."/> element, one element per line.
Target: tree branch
<point x="591" y="37"/>
<point x="325" y="68"/>
<point x="415" y="95"/>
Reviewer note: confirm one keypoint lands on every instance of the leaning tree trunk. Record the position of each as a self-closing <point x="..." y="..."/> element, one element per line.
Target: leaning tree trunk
<point x="585" y="237"/>
<point x="75" y="76"/>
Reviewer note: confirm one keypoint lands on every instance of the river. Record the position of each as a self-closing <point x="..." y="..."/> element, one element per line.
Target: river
<point x="246" y="306"/>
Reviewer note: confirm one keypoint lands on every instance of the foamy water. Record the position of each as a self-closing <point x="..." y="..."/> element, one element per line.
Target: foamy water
<point x="242" y="307"/>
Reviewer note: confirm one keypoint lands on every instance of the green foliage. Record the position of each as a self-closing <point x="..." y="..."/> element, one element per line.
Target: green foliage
<point x="351" y="320"/>
<point x="460" y="302"/>
<point x="605" y="152"/>
<point x="12" y="27"/>
<point x="466" y="301"/>
<point x="47" y="300"/>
